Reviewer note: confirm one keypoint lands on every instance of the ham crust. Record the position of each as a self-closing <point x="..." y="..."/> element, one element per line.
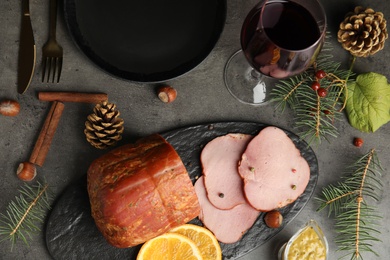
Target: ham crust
<point x="139" y="191"/>
<point x="229" y="225"/>
<point x="273" y="170"/>
<point x="219" y="159"/>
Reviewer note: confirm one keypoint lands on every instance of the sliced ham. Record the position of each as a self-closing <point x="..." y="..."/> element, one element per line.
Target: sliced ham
<point x="227" y="225"/>
<point x="274" y="172"/>
<point x="219" y="160"/>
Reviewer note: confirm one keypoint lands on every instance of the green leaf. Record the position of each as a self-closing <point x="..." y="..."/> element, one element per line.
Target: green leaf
<point x="368" y="102"/>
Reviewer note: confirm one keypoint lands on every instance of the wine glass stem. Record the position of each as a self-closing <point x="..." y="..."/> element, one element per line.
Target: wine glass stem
<point x="255" y="74"/>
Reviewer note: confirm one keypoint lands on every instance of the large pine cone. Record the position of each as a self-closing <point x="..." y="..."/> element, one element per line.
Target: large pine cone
<point x="363" y="32"/>
<point x="104" y="128"/>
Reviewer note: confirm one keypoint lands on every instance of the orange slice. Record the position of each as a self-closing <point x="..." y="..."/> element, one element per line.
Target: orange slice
<point x="203" y="238"/>
<point x="169" y="246"/>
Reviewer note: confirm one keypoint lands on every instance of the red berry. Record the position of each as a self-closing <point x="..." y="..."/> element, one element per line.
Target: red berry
<point x="315" y="85"/>
<point x="320" y="74"/>
<point x="358" y="142"/>
<point x="322" y="92"/>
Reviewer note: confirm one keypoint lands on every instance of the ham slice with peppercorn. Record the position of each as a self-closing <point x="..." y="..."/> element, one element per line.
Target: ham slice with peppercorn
<point x="273" y="170"/>
<point x="245" y="175"/>
<point x="219" y="160"/>
<point x="228" y="225"/>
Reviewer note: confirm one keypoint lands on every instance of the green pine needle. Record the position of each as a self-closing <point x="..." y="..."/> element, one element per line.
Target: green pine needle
<point x="24" y="213"/>
<point x="349" y="201"/>
<point x="315" y="116"/>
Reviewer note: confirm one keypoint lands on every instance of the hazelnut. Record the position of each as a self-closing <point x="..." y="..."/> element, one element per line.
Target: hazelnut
<point x="26" y="171"/>
<point x="273" y="219"/>
<point x="167" y="94"/>
<point x="9" y="107"/>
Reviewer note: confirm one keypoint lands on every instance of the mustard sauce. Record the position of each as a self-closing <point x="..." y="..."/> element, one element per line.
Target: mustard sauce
<point x="307" y="246"/>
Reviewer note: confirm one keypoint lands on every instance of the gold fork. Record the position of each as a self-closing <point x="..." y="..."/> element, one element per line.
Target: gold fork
<point x="52" y="53"/>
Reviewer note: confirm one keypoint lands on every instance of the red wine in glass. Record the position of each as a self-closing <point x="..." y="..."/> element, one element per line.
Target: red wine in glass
<point x="278" y="45"/>
<point x="279" y="39"/>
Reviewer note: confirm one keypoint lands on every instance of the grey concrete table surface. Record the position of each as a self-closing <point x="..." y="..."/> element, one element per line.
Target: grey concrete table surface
<point x="202" y="98"/>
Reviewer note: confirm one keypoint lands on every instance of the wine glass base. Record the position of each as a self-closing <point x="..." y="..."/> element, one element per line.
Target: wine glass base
<point x="246" y="84"/>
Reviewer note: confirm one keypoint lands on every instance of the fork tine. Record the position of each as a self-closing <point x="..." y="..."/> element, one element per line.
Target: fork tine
<point x="51" y="69"/>
<point x="54" y="68"/>
<point x="49" y="63"/>
<point x="52" y="52"/>
<point x="59" y="69"/>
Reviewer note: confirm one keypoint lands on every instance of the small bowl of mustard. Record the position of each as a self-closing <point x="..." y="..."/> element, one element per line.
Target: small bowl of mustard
<point x="307" y="243"/>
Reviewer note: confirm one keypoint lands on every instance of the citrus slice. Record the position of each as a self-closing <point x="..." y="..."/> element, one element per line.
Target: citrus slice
<point x="169" y="246"/>
<point x="203" y="238"/>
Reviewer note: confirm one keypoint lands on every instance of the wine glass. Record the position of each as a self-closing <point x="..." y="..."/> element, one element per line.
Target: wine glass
<point x="279" y="39"/>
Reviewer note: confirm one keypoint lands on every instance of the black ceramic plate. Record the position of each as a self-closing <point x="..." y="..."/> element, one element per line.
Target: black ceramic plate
<point x="146" y="40"/>
<point x="71" y="232"/>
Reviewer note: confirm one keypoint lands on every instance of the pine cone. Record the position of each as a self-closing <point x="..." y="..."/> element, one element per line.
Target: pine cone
<point x="363" y="32"/>
<point x="104" y="128"/>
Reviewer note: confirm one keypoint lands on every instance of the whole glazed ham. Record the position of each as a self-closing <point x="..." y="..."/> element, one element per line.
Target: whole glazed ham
<point x="139" y="191"/>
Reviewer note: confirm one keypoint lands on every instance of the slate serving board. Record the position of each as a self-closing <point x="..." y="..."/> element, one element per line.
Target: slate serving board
<point x="71" y="232"/>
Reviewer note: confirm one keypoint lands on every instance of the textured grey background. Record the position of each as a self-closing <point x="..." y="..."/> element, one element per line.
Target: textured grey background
<point x="202" y="98"/>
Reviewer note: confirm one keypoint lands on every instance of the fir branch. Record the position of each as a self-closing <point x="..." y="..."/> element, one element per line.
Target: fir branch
<point x="285" y="91"/>
<point x="356" y="219"/>
<point x="24" y="213"/>
<point x="315" y="116"/>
